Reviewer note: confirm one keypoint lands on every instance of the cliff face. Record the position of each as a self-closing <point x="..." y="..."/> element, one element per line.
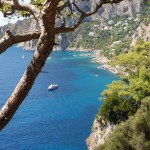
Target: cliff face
<point x="33" y="26"/>
<point x="125" y="7"/>
<point x="20" y="27"/>
<point x="100" y="132"/>
<point x="143" y="31"/>
<point x="106" y="12"/>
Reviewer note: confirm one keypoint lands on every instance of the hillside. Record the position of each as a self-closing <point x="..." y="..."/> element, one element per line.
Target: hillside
<point x="111" y="36"/>
<point x="117" y="33"/>
<point x="123" y="98"/>
<point x="133" y="134"/>
<point x="97" y="32"/>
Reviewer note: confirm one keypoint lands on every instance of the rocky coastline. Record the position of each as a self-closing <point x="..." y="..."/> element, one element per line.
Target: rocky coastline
<point x="97" y="58"/>
<point x="100" y="59"/>
<point x="100" y="132"/>
<point x="80" y="49"/>
<point x="100" y="129"/>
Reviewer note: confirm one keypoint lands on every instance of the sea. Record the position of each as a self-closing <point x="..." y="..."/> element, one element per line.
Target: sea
<point x="52" y="120"/>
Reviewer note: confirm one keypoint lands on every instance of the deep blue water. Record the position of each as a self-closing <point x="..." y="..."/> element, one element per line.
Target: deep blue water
<point x="52" y="120"/>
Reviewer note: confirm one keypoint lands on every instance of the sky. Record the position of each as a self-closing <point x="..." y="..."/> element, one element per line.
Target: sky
<point x="4" y="21"/>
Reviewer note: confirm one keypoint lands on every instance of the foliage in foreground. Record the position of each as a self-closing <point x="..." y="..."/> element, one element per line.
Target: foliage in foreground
<point x="134" y="67"/>
<point x="123" y="98"/>
<point x="133" y="134"/>
<point x="118" y="104"/>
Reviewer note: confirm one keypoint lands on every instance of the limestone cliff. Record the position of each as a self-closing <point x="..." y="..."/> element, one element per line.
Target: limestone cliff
<point x="143" y="31"/>
<point x="30" y="45"/>
<point x="106" y="12"/>
<point x="125" y="7"/>
<point x="100" y="132"/>
<point x="20" y="27"/>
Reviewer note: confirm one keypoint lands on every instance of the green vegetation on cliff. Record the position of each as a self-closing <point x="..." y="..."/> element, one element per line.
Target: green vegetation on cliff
<point x="111" y="37"/>
<point x="123" y="98"/>
<point x="118" y="103"/>
<point x="135" y="66"/>
<point x="133" y="134"/>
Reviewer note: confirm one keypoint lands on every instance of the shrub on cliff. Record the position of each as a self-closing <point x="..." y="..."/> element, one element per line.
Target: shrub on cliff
<point x="118" y="103"/>
<point x="134" y="67"/>
<point x="123" y="98"/>
<point x="133" y="134"/>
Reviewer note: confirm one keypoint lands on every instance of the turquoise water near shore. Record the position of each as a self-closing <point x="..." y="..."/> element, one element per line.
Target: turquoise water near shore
<point x="52" y="120"/>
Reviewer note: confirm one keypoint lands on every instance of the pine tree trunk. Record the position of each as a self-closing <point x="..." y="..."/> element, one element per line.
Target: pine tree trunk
<point x="44" y="48"/>
<point x="26" y="82"/>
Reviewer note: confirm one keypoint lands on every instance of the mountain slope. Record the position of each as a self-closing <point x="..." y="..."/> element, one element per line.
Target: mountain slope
<point x="125" y="8"/>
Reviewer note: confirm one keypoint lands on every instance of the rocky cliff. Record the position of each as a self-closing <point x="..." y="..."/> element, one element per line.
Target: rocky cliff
<point x="106" y="12"/>
<point x="100" y="132"/>
<point x="32" y="27"/>
<point x="143" y="31"/>
<point x="125" y="7"/>
<point x="20" y="27"/>
<point x="129" y="8"/>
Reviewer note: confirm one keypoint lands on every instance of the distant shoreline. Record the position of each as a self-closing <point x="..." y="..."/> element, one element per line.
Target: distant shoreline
<point x="98" y="58"/>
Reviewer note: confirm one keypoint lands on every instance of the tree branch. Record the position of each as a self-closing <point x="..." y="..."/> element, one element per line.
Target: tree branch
<point x="44" y="47"/>
<point x="49" y="5"/>
<point x="11" y="12"/>
<point x="84" y="15"/>
<point x="46" y="19"/>
<point x="20" y="6"/>
<point x="78" y="9"/>
<point x="8" y="40"/>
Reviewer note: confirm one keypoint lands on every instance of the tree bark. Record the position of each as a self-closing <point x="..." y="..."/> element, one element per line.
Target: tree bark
<point x="46" y="19"/>
<point x="9" y="40"/>
<point x="44" y="48"/>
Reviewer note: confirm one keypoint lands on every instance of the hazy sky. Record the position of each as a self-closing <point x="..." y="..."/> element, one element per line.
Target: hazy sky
<point x="4" y="21"/>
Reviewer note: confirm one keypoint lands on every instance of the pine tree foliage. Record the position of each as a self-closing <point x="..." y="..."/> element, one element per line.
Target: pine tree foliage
<point x="123" y="98"/>
<point x="133" y="134"/>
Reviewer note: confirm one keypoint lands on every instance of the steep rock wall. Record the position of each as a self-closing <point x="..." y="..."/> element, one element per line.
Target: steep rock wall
<point x="143" y="31"/>
<point x="100" y="132"/>
<point x="125" y="7"/>
<point x="106" y="12"/>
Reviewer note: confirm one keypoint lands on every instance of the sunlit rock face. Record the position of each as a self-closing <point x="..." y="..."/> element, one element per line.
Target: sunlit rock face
<point x="143" y="31"/>
<point x="108" y="11"/>
<point x="126" y="7"/>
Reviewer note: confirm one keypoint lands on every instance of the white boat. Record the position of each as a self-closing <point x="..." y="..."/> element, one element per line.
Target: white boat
<point x="52" y="87"/>
<point x="22" y="56"/>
